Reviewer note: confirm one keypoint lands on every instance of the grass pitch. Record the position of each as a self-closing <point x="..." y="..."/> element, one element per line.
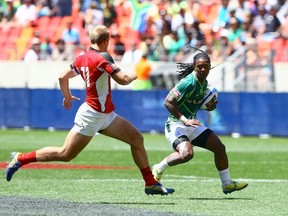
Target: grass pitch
<point x="263" y="163"/>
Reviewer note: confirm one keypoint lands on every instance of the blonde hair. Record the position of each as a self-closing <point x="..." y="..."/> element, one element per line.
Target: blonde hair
<point x="99" y="34"/>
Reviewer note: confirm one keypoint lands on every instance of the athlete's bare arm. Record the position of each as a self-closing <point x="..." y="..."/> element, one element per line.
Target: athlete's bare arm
<point x="172" y="107"/>
<point x="64" y="86"/>
<point x="124" y="78"/>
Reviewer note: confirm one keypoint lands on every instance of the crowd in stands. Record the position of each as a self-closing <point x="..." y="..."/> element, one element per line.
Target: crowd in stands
<point x="57" y="29"/>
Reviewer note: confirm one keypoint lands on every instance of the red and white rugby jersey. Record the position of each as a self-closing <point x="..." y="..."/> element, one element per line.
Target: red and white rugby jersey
<point x="96" y="69"/>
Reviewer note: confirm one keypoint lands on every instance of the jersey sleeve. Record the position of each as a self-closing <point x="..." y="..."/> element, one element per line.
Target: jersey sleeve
<point x="180" y="88"/>
<point x="74" y="69"/>
<point x="108" y="65"/>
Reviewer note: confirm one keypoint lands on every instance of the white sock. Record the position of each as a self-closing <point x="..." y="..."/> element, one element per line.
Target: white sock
<point x="225" y="177"/>
<point x="162" y="165"/>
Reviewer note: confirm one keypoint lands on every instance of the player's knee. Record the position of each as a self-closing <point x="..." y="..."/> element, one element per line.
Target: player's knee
<point x="220" y="149"/>
<point x="66" y="156"/>
<point x="186" y="155"/>
<point x="223" y="147"/>
<point x="140" y="138"/>
<point x="137" y="140"/>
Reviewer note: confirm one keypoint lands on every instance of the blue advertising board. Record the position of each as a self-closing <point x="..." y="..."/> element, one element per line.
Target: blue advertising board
<point x="243" y="113"/>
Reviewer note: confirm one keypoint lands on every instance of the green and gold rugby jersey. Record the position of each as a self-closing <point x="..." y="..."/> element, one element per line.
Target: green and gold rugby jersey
<point x="189" y="93"/>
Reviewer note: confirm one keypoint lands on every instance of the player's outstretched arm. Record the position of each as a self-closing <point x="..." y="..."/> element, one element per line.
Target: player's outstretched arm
<point x="124" y="78"/>
<point x="64" y="86"/>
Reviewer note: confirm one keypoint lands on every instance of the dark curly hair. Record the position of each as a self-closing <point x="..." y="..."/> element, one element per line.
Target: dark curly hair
<point x="187" y="68"/>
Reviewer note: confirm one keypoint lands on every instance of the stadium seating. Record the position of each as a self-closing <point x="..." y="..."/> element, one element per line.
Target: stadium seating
<point x="263" y="48"/>
<point x="43" y="21"/>
<point x="18" y="39"/>
<point x="8" y="38"/>
<point x="280" y="45"/>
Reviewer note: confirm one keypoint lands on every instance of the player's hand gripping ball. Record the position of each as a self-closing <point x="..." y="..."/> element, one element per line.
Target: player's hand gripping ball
<point x="209" y="97"/>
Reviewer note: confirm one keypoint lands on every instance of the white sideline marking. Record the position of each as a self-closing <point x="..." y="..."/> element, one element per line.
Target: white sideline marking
<point x="185" y="179"/>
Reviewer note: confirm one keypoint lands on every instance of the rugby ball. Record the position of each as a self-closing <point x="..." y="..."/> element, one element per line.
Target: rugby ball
<point x="210" y="95"/>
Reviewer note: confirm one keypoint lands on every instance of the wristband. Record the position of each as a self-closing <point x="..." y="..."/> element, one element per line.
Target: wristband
<point x="183" y="119"/>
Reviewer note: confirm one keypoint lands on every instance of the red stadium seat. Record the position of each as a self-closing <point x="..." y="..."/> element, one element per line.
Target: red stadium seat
<point x="264" y="48"/>
<point x="4" y="33"/>
<point x="55" y="21"/>
<point x="4" y="56"/>
<point x="280" y="51"/>
<point x="43" y="21"/>
<point x="14" y="33"/>
<point x="8" y="44"/>
<point x="78" y="23"/>
<point x="7" y="51"/>
<point x="65" y="19"/>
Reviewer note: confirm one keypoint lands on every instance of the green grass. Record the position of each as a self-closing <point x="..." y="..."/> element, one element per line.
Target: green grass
<point x="263" y="163"/>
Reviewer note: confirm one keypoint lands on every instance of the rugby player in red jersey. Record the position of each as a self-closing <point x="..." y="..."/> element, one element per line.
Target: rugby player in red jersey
<point x="96" y="114"/>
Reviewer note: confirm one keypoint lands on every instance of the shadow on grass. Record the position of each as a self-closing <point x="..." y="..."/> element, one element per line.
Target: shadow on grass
<point x="12" y="205"/>
<point x="219" y="198"/>
<point x="135" y="203"/>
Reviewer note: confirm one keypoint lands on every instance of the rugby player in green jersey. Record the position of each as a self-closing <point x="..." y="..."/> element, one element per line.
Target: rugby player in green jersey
<point x="183" y="130"/>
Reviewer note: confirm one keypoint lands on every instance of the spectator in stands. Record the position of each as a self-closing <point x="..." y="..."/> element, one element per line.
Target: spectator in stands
<point x="143" y="69"/>
<point x="222" y="16"/>
<point x="193" y="37"/>
<point x="184" y="16"/>
<point x="150" y="46"/>
<point x="232" y="14"/>
<point x="272" y="23"/>
<point x="71" y="36"/>
<point x="233" y="35"/>
<point x="163" y="24"/>
<point x="93" y="16"/>
<point x="258" y="24"/>
<point x="220" y="50"/>
<point x="8" y="15"/>
<point x="132" y="55"/>
<point x="43" y="8"/>
<point x="283" y="11"/>
<point x="46" y="48"/>
<point x="26" y="14"/>
<point x="60" y="52"/>
<point x="48" y="8"/>
<point x="3" y="6"/>
<point x="34" y="53"/>
<point x="197" y="36"/>
<point x="248" y="39"/>
<point x="283" y="17"/>
<point x="85" y="4"/>
<point x="110" y="14"/>
<point x="150" y="29"/>
<point x="176" y="6"/>
<point x="64" y="8"/>
<point x="248" y="34"/>
<point x="172" y="43"/>
<point x="242" y="8"/>
<point x="119" y="46"/>
<point x="123" y="11"/>
<point x="234" y="29"/>
<point x="52" y="7"/>
<point x="46" y="45"/>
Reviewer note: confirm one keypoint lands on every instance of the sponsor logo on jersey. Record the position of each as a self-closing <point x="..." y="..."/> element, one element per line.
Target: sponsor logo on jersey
<point x="176" y="93"/>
